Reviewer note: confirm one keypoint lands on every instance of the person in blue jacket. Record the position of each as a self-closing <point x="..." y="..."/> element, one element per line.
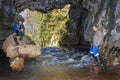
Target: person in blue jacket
<point x="94" y="50"/>
<point x="19" y="30"/>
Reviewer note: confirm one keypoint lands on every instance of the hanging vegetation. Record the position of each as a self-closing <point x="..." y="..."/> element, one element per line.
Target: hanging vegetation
<point x="47" y="29"/>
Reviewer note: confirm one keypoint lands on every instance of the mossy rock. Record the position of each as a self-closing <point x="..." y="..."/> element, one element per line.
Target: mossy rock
<point x="70" y="40"/>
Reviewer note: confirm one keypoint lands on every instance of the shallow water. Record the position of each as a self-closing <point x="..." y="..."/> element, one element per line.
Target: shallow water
<point x="58" y="64"/>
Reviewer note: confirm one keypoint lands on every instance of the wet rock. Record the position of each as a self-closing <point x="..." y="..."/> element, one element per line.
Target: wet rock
<point x="109" y="12"/>
<point x="17" y="64"/>
<point x="70" y="39"/>
<point x="97" y="10"/>
<point x="116" y="62"/>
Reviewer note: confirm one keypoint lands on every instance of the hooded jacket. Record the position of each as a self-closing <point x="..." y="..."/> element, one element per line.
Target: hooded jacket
<point x="17" y="28"/>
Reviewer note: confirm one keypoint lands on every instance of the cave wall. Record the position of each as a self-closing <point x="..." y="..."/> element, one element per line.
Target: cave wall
<point x="106" y="12"/>
<point x="7" y="15"/>
<point x="83" y="15"/>
<point x="109" y="12"/>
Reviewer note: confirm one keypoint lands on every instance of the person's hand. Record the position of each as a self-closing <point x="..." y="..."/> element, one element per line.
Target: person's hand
<point x="21" y="30"/>
<point x="94" y="28"/>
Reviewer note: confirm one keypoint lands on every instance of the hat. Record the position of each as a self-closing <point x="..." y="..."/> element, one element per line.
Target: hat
<point x="21" y="19"/>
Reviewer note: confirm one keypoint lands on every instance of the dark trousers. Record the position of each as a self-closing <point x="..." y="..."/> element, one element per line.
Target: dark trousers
<point x="97" y="58"/>
<point x="20" y="34"/>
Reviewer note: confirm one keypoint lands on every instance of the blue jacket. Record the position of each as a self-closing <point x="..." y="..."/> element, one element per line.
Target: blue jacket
<point x="17" y="27"/>
<point x="94" y="50"/>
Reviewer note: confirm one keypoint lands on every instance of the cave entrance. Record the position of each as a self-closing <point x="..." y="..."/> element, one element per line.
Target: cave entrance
<point x="46" y="29"/>
<point x="59" y="27"/>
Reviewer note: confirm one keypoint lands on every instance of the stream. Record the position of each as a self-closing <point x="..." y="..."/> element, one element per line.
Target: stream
<point x="57" y="64"/>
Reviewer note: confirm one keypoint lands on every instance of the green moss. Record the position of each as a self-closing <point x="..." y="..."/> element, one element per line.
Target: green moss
<point x="48" y="26"/>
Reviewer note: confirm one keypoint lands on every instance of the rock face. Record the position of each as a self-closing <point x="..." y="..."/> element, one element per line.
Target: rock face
<point x="8" y="16"/>
<point x="106" y="12"/>
<point x="17" y="54"/>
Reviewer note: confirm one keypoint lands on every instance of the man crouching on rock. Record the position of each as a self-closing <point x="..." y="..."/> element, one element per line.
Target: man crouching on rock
<point x="19" y="30"/>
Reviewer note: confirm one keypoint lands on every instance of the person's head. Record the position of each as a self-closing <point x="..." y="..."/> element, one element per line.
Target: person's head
<point x="95" y="28"/>
<point x="20" y="22"/>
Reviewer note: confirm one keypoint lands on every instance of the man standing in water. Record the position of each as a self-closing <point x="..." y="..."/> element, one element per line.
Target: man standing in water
<point x="19" y="30"/>
<point x="97" y="42"/>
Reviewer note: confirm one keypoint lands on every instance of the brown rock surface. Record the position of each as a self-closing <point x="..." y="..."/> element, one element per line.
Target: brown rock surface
<point x="19" y="53"/>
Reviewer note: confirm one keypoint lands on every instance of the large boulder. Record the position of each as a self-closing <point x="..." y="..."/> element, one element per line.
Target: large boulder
<point x="10" y="42"/>
<point x="17" y="54"/>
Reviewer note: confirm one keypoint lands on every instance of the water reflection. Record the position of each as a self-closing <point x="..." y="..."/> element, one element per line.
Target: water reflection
<point x="52" y="66"/>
